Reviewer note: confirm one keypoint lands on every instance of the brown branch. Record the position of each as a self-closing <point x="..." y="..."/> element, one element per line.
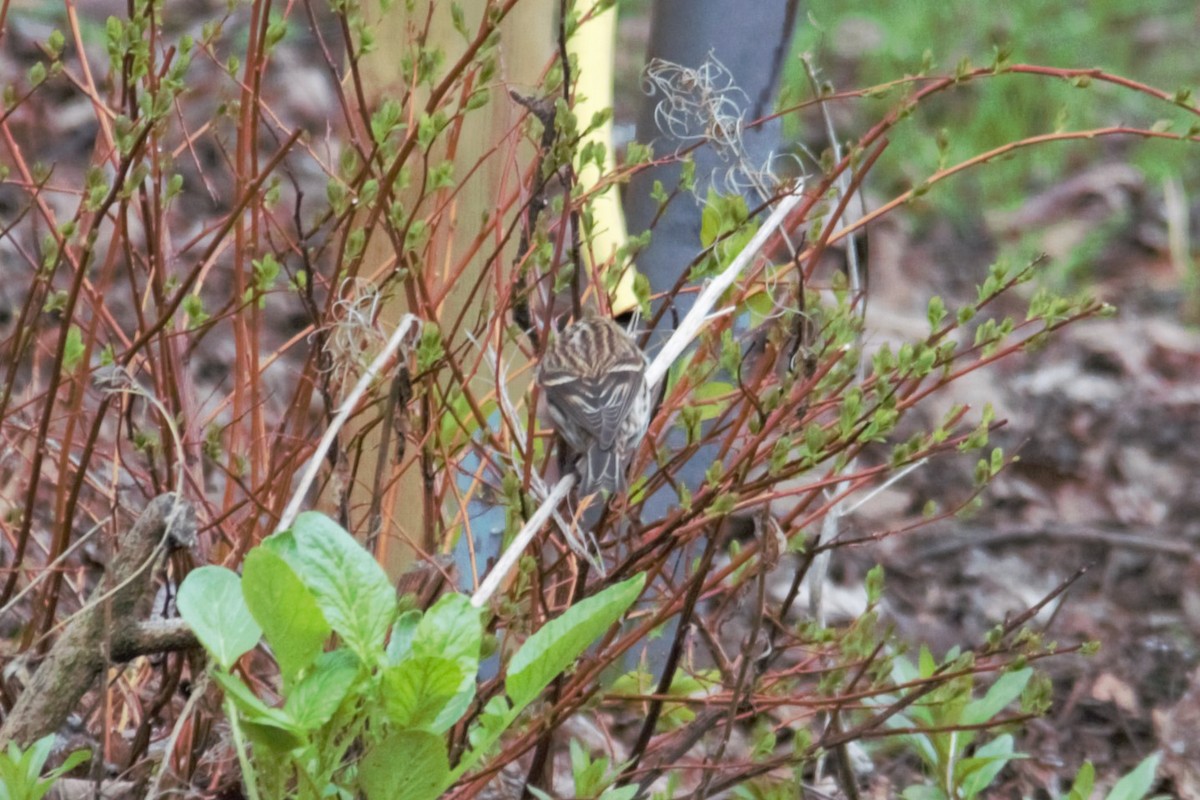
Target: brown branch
<point x="152" y="638"/>
<point x="78" y="656"/>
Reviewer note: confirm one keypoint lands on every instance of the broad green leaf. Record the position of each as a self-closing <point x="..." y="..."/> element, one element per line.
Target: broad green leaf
<point x="350" y="587"/>
<point x="1136" y="784"/>
<point x="560" y="641"/>
<point x="283" y="544"/>
<point x="453" y="711"/>
<point x="285" y="608"/>
<point x="452" y="629"/>
<point x="407" y="765"/>
<point x="399" y="646"/>
<point x="418" y="689"/>
<point x="10" y="782"/>
<point x="315" y="699"/>
<point x="210" y="601"/>
<point x="1007" y="688"/>
<point x="710" y="223"/>
<point x="458" y="426"/>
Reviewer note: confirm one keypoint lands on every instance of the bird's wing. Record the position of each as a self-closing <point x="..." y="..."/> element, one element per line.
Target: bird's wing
<point x="591" y="378"/>
<point x="596" y="405"/>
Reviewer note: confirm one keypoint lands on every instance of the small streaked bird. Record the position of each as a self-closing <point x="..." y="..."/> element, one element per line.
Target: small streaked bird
<point x="594" y="377"/>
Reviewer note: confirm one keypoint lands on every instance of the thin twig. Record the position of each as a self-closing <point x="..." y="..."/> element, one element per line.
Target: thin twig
<point x="407" y="323"/>
<point x="197" y="692"/>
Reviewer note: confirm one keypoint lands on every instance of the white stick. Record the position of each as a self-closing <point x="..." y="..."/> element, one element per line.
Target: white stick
<point x="687" y="331"/>
<point x="690" y="327"/>
<point x="508" y="559"/>
<point x="360" y="388"/>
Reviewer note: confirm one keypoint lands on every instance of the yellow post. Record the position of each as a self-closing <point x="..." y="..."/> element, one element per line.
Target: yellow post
<point x="527" y="47"/>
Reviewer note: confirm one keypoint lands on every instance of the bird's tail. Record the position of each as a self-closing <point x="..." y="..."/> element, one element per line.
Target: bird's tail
<point x="601" y="469"/>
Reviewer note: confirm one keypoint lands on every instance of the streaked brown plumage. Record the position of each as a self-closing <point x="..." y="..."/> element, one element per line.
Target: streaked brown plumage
<point x="594" y="377"/>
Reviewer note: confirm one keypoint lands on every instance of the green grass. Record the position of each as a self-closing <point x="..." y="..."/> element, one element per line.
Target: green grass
<point x="1152" y="43"/>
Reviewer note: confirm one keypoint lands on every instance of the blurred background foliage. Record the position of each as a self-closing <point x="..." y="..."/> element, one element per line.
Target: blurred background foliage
<point x="860" y="43"/>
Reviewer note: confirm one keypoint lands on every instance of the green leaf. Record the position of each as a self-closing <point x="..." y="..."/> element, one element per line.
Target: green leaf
<point x="452" y="629"/>
<point x="69" y="763"/>
<point x="418" y="689"/>
<point x="497" y="715"/>
<point x="710" y="224"/>
<point x="11" y="782"/>
<point x="620" y="792"/>
<point x="247" y="702"/>
<point x="936" y="312"/>
<point x="982" y="768"/>
<point x="925" y="663"/>
<point x="722" y="214"/>
<point x="923" y="793"/>
<point x="407" y="765"/>
<point x="285" y="608"/>
<point x="283" y="544"/>
<point x="874" y="584"/>
<point x="73" y="351"/>
<point x="1081" y="789"/>
<point x="712" y="398"/>
<point x="457" y="17"/>
<point x="587" y="774"/>
<point x="350" y="587"/>
<point x="210" y="601"/>
<point x="271" y="727"/>
<point x="399" y="647"/>
<point x="903" y="671"/>
<point x="20" y="771"/>
<point x="1006" y="689"/>
<point x="272" y="736"/>
<point x="35" y="756"/>
<point x="315" y="699"/>
<point x="1136" y="784"/>
<point x="560" y="641"/>
<point x="762" y="307"/>
<point x="683" y="685"/>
